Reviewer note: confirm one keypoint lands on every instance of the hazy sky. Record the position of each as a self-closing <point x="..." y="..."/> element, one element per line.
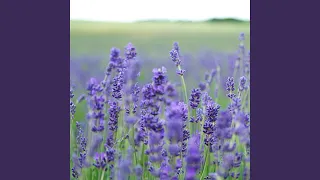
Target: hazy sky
<point x="132" y="10"/>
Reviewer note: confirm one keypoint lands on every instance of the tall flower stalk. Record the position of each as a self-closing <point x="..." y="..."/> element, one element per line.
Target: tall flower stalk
<point x="176" y="58"/>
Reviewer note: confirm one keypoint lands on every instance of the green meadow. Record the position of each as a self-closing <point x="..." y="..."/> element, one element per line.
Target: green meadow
<point x="155" y="38"/>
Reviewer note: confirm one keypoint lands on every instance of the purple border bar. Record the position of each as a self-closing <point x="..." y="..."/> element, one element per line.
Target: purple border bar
<point x="34" y="41"/>
<point x="285" y="87"/>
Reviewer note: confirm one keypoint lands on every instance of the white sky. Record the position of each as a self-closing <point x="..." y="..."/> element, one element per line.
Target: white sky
<point x="132" y="10"/>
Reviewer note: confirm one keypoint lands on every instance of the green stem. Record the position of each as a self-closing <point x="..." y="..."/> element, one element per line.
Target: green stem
<point x="217" y="84"/>
<point x="184" y="87"/>
<point x="99" y="174"/>
<point x="211" y="166"/>
<point x="207" y="160"/>
<point x="193" y="124"/>
<point x="131" y="138"/>
<point x="102" y="176"/>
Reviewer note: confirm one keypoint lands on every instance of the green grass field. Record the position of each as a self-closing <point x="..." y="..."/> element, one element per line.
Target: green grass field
<point x="155" y="38"/>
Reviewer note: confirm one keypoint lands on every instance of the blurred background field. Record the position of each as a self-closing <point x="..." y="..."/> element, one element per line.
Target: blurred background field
<point x="155" y="38"/>
<point x="203" y="45"/>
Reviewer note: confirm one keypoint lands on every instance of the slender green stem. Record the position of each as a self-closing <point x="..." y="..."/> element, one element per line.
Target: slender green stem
<point x="102" y="176"/>
<point x="131" y="138"/>
<point x="217" y="85"/>
<point x="99" y="174"/>
<point x="184" y="87"/>
<point x="207" y="161"/>
<point x="211" y="166"/>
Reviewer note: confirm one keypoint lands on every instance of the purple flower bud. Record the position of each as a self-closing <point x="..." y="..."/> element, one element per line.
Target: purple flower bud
<point x="97" y="140"/>
<point x="130" y="51"/>
<point x="230" y="84"/>
<point x="114" y="111"/>
<point x="229" y="148"/>
<point x="206" y="99"/>
<point x="124" y="169"/>
<point x="171" y="91"/>
<point x="175" y="54"/>
<point x="148" y="91"/>
<point x="81" y="140"/>
<point x="212" y="110"/>
<point x="180" y="72"/>
<point x="241" y="37"/>
<point x="110" y="154"/>
<point x="195" y="98"/>
<point x="224" y="120"/>
<point x="114" y="54"/>
<point x="242" y="84"/>
<point x="90" y="87"/>
<point x="165" y="170"/>
<point x="75" y="173"/>
<point x="138" y="171"/>
<point x="193" y="158"/>
<point x="202" y="86"/>
<point x="176" y="115"/>
<point x="235" y="105"/>
<point x="100" y="160"/>
<point x="159" y="76"/>
<point x="131" y="120"/>
<point x="118" y="82"/>
<point x="174" y="149"/>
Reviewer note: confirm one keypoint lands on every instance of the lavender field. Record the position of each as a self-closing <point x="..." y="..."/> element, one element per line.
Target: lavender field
<point x="159" y="101"/>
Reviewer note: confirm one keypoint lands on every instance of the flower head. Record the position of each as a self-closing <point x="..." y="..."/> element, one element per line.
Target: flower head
<point x="195" y="98"/>
<point x="159" y="76"/>
<point x="175" y="54"/>
<point x="130" y="51"/>
<point x="193" y="158"/>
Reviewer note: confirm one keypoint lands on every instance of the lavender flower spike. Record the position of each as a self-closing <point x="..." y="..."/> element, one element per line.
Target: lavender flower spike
<point x="195" y="98"/>
<point x="193" y="158"/>
<point x="175" y="54"/>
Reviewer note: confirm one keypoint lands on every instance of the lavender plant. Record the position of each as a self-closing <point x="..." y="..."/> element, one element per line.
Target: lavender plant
<point x="151" y="131"/>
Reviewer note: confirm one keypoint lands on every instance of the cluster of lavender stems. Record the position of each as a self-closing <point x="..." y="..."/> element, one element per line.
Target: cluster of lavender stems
<point x="148" y="132"/>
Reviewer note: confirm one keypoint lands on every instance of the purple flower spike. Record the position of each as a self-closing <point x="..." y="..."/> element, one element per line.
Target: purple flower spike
<point x="175" y="54"/>
<point x="177" y="115"/>
<point x="193" y="158"/>
<point x="114" y="111"/>
<point x="176" y="47"/>
<point x="118" y="83"/>
<point x="174" y="149"/>
<point x="159" y="77"/>
<point x="230" y="84"/>
<point x="138" y="171"/>
<point x="97" y="140"/>
<point x="195" y="98"/>
<point x="242" y="84"/>
<point x="171" y="91"/>
<point x="241" y="37"/>
<point x="181" y="72"/>
<point x="124" y="169"/>
<point x="114" y="55"/>
<point x="100" y="160"/>
<point x="202" y="86"/>
<point x="130" y="51"/>
<point x="212" y="110"/>
<point x="90" y="87"/>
